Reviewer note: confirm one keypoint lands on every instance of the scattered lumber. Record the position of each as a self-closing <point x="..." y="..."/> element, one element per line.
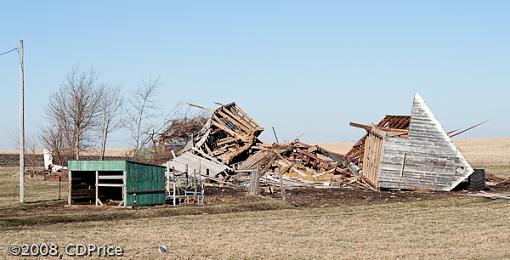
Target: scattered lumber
<point x="302" y="164"/>
<point x="493" y="196"/>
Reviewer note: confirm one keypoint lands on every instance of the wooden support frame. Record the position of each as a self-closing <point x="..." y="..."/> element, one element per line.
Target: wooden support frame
<point x="98" y="201"/>
<point x="372" y="158"/>
<point x="69" y="188"/>
<point x="124" y="189"/>
<point x="112" y="177"/>
<point x="119" y="185"/>
<point x="97" y="189"/>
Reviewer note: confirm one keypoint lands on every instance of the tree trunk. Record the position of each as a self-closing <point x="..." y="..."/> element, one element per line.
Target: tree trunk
<point x="77" y="146"/>
<point x="103" y="144"/>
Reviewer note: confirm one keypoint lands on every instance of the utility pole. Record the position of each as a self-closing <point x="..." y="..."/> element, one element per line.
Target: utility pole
<point x="21" y="125"/>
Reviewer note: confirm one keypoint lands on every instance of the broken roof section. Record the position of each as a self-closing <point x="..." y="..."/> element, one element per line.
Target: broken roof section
<point x="388" y="122"/>
<point x="420" y="157"/>
<point x="228" y="135"/>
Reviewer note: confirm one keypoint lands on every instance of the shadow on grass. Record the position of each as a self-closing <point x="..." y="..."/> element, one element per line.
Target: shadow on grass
<point x="7" y="223"/>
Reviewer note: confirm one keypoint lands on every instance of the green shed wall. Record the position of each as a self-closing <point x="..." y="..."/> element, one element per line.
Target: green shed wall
<point x="147" y="182"/>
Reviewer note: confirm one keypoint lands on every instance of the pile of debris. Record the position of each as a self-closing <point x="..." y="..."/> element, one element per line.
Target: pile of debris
<point x="227" y="150"/>
<point x="303" y="164"/>
<point x="409" y="152"/>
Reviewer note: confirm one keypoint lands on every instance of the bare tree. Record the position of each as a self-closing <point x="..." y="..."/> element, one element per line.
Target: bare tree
<point x="53" y="139"/>
<point x="32" y="156"/>
<point x="74" y="111"/>
<point x="111" y="107"/>
<point x="142" y="113"/>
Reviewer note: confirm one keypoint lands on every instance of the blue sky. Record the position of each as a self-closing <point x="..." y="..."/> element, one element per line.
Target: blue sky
<point x="304" y="67"/>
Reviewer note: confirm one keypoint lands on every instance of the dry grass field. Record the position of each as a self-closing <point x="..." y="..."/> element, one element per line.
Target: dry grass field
<point x="342" y="224"/>
<point x="454" y="228"/>
<point x="492" y="154"/>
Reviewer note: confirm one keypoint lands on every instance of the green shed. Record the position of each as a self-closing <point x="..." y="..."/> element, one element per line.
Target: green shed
<point x="121" y="182"/>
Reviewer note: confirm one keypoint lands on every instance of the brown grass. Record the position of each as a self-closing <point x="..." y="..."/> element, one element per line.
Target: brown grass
<point x="451" y="228"/>
<point x="492" y="154"/>
<point x="36" y="190"/>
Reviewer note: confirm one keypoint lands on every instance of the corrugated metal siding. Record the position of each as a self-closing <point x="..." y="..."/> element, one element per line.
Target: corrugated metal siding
<point x="145" y="184"/>
<point x="97" y="165"/>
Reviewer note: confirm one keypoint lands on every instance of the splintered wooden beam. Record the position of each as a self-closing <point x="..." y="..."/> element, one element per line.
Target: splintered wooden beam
<point x="226" y="141"/>
<point x="198" y="106"/>
<point x="492" y="196"/>
<point x="371" y="129"/>
<point x="456" y="132"/>
<point x="362" y="126"/>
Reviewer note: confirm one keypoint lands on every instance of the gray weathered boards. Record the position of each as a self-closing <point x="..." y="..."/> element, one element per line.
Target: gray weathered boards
<point x="424" y="159"/>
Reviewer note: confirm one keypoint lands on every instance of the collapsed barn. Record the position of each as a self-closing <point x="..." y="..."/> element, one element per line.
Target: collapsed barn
<point x="227" y="150"/>
<point x="405" y="152"/>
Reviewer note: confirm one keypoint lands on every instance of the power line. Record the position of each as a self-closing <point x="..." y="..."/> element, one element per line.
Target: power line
<point x="3" y="53"/>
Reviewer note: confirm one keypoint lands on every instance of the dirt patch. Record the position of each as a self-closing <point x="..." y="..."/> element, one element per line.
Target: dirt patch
<point x="311" y="198"/>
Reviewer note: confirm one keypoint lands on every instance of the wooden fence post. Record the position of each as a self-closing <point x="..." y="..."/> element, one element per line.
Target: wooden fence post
<point x="282" y="186"/>
<point x="254" y="182"/>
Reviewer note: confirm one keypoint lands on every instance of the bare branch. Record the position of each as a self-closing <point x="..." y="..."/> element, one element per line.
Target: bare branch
<point x="111" y="107"/>
<point x="143" y="108"/>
